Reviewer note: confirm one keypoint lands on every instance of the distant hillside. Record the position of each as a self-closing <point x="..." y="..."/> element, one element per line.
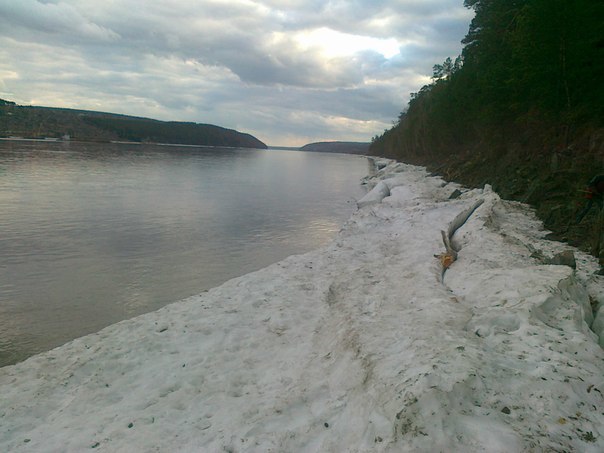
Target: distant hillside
<point x="338" y="147"/>
<point x="84" y="125"/>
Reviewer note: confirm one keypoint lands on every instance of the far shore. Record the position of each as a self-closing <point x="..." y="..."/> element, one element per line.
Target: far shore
<point x="116" y="142"/>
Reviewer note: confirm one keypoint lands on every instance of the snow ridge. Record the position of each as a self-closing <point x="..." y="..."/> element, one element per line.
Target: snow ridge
<point x="360" y="347"/>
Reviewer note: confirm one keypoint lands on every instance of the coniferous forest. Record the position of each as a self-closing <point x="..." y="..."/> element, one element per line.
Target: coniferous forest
<point x="522" y="108"/>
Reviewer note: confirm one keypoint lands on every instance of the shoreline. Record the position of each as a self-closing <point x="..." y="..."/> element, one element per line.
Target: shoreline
<point x="208" y="234"/>
<point x="357" y="346"/>
<point x="117" y="142"/>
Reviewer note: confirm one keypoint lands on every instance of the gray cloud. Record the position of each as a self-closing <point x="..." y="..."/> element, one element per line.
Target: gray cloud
<point x="286" y="71"/>
<point x="52" y="19"/>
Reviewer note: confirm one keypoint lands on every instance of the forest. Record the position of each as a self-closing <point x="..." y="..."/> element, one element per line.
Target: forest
<point x="522" y="109"/>
<point x="85" y="125"/>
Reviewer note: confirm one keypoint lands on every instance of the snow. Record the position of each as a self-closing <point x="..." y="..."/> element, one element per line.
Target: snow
<point x="375" y="195"/>
<point x="366" y="345"/>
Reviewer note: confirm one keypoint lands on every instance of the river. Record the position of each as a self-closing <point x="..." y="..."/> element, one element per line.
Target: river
<point x="91" y="234"/>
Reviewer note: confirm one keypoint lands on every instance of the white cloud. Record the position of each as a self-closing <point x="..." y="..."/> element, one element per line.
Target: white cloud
<point x="330" y="43"/>
<point x="253" y="64"/>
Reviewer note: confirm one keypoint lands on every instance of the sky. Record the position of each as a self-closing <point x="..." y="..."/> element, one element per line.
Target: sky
<point x="289" y="72"/>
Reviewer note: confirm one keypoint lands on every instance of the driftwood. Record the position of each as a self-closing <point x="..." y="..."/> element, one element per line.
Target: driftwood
<point x="450" y="256"/>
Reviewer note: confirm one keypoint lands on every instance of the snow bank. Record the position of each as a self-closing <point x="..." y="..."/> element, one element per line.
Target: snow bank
<point x="358" y="347"/>
<point x="375" y="195"/>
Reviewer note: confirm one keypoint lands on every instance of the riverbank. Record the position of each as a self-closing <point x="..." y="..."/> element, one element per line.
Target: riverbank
<point x="363" y="345"/>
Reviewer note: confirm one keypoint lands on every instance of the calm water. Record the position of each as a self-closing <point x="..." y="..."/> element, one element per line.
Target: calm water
<point x="93" y="234"/>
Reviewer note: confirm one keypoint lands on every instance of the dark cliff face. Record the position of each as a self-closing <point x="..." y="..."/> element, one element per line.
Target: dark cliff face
<point x="45" y="122"/>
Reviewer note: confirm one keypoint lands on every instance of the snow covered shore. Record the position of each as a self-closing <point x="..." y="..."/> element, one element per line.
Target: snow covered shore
<point x="364" y="345"/>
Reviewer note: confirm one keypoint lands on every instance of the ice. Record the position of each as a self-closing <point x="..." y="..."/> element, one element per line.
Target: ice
<point x="365" y="345"/>
<point x="375" y="195"/>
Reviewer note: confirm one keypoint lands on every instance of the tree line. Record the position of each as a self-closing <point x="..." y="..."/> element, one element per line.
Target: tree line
<point x="528" y="65"/>
<point x="84" y="125"/>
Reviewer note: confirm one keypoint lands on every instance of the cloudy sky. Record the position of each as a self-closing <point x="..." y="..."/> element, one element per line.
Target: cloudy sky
<point x="289" y="72"/>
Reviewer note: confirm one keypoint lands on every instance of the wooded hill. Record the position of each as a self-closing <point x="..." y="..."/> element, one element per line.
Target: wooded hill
<point x="337" y="147"/>
<point x="522" y="108"/>
<point x="84" y="125"/>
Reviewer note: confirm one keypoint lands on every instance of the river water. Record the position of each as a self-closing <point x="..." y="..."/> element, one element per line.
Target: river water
<point x="91" y="234"/>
